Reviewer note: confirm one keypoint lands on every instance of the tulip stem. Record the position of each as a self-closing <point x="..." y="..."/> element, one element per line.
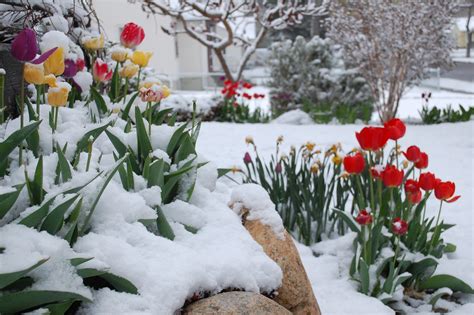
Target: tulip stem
<point x="21" y="108"/>
<point x="437" y="227"/>
<point x="149" y="112"/>
<point x="125" y="91"/>
<point x="397" y="249"/>
<point x="361" y="195"/>
<point x="38" y="101"/>
<point x="371" y="179"/>
<point x="138" y="79"/>
<point x="396" y="152"/>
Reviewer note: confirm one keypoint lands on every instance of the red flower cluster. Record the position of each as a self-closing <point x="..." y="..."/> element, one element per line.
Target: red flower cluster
<point x="230" y="90"/>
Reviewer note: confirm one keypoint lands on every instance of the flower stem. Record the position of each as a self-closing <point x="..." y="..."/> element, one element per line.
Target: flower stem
<point x="38" y="101"/>
<point x="2" y="98"/>
<point x="22" y="109"/>
<point x="437" y="227"/>
<point x="125" y="91"/>
<point x="397" y="249"/>
<point x="360" y="197"/>
<point x="138" y="79"/>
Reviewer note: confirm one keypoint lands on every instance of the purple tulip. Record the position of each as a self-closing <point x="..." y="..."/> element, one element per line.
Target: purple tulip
<point x="247" y="158"/>
<point x="24" y="47"/>
<point x="278" y="168"/>
<point x="70" y="68"/>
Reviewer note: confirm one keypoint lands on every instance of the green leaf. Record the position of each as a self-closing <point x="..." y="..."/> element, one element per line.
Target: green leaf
<point x="185" y="148"/>
<point x="449" y="248"/>
<point x="119" y="146"/>
<point x="29" y="300"/>
<point x="79" y="260"/>
<point x="144" y="145"/>
<point x="161" y="116"/>
<point x="120" y="284"/>
<point x="63" y="166"/>
<point x="423" y="269"/>
<point x="34" y="219"/>
<point x="223" y="171"/>
<point x="8" y="200"/>
<point x="163" y="226"/>
<point x="8" y="278"/>
<point x="60" y="308"/>
<point x="84" y="141"/>
<point x="364" y="277"/>
<point x="35" y="186"/>
<point x="126" y="111"/>
<point x="156" y="173"/>
<point x="348" y="219"/>
<point x="115" y="85"/>
<point x="175" y="138"/>
<point x="15" y="139"/>
<point x="441" y="281"/>
<point x="102" y="189"/>
<point x="99" y="101"/>
<point x="55" y="219"/>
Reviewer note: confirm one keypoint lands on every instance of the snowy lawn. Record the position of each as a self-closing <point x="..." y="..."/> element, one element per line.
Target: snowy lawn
<point x="451" y="151"/>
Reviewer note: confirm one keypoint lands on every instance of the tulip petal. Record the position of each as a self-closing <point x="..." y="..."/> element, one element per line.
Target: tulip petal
<point x="24" y="46"/>
<point x="42" y="58"/>
<point x="453" y="199"/>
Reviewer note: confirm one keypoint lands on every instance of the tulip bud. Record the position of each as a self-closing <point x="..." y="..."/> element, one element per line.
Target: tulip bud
<point x="132" y="35"/>
<point x="247" y="158"/>
<point x="354" y="164"/>
<point x="93" y="42"/>
<point x="141" y="58"/>
<point x="364" y="218"/>
<point x="399" y="226"/>
<point x="128" y="70"/>
<point x="119" y="54"/>
<point x="57" y="96"/>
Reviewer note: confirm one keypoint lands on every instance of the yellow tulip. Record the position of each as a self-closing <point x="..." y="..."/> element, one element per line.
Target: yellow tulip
<point x="165" y="91"/>
<point x="34" y="74"/>
<point x="119" y="54"/>
<point x="141" y="58"/>
<point x="148" y="84"/>
<point x="55" y="63"/>
<point x="93" y="42"/>
<point x="128" y="70"/>
<point x="50" y="80"/>
<point x="57" y="96"/>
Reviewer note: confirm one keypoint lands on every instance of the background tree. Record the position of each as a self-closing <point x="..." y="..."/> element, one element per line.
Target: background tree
<point x="392" y="42"/>
<point x="232" y="15"/>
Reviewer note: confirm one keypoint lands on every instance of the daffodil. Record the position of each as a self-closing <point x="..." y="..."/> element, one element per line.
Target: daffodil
<point x="336" y="159"/>
<point x="34" y="74"/>
<point x="55" y="63"/>
<point x="141" y="58"/>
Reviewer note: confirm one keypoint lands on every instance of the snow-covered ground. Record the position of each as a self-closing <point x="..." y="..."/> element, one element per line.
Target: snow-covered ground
<point x="451" y="151"/>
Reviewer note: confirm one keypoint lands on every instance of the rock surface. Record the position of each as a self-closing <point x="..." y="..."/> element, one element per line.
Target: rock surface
<point x="235" y="303"/>
<point x="296" y="293"/>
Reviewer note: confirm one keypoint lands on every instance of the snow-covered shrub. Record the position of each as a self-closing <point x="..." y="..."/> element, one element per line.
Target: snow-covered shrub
<point x="305" y="185"/>
<point x="312" y="72"/>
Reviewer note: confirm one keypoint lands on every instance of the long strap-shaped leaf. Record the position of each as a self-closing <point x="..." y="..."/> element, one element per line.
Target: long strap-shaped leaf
<point x="102" y="189"/>
<point x="7" y="146"/>
<point x="8" y="278"/>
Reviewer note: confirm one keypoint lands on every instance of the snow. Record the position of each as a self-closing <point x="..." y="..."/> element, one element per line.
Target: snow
<point x="54" y="39"/>
<point x="254" y="199"/>
<point x="451" y="151"/>
<point x="294" y="117"/>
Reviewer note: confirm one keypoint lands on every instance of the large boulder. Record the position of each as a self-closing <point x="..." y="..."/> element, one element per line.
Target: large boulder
<point x="258" y="214"/>
<point x="235" y="303"/>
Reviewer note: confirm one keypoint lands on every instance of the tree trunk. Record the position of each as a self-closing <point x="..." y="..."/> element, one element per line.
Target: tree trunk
<point x="12" y="79"/>
<point x="225" y="67"/>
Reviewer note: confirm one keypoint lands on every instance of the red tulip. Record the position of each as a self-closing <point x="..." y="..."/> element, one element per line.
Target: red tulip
<point x="376" y="171"/>
<point x="24" y="48"/>
<point x="396" y="128"/>
<point x="101" y="71"/>
<point x="445" y="190"/>
<point x="399" y="226"/>
<point x="423" y="161"/>
<point x="364" y="218"/>
<point x="247" y="158"/>
<point x="372" y="138"/>
<point x="132" y="35"/>
<point x="412" y="190"/>
<point x="427" y="181"/>
<point x="413" y="153"/>
<point x="392" y="177"/>
<point x="354" y="164"/>
<point x="247" y="85"/>
<point x="80" y="64"/>
<point x="247" y="96"/>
